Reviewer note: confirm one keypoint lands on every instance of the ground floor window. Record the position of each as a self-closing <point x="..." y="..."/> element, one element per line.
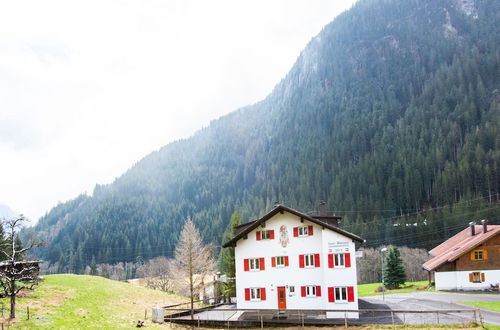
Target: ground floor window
<point x="341" y="294"/>
<point x="476" y="277"/>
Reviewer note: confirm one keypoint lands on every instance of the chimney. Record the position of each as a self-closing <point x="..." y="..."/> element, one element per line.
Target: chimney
<point x="322" y="205"/>
<point x="485" y="225"/>
<point x="472" y="226"/>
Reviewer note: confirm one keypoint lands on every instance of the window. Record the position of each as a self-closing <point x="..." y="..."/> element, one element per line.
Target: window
<point x="291" y="290"/>
<point x="255" y="294"/>
<point x="309" y="260"/>
<point x="478" y="254"/>
<point x="302" y="231"/>
<point x="476" y="277"/>
<point x="280" y="261"/>
<point x="339" y="260"/>
<point x="254" y="264"/>
<point x="310" y="291"/>
<point x="264" y="234"/>
<point x="341" y="294"/>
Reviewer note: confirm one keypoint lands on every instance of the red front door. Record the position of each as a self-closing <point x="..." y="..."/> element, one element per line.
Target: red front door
<point x="281" y="297"/>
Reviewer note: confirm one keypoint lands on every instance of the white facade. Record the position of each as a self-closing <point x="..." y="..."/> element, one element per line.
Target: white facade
<point x="324" y="279"/>
<point x="459" y="280"/>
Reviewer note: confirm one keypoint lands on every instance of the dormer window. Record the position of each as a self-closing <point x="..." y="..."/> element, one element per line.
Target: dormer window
<point x="303" y="231"/>
<point x="264" y="234"/>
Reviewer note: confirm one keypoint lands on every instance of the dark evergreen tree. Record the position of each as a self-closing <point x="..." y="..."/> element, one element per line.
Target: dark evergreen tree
<point x="228" y="266"/>
<point x="394" y="272"/>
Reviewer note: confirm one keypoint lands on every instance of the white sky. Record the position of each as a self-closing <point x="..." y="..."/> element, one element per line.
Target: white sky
<point x="88" y="88"/>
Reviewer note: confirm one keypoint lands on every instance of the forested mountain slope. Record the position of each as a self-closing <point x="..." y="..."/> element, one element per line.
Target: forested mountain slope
<point x="391" y="112"/>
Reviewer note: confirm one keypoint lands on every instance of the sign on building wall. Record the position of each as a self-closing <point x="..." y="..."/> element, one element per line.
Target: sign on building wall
<point x="338" y="247"/>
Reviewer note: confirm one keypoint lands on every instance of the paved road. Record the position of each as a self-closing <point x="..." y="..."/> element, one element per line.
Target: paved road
<point x="436" y="300"/>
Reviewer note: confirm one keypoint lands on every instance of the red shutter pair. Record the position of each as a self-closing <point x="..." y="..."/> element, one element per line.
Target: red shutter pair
<point x="303" y="291"/>
<point x="246" y="264"/>
<point x="347" y="260"/>
<point x="273" y="261"/>
<point x="258" y="234"/>
<point x="350" y="294"/>
<point x="316" y="260"/>
<point x="262" y="294"/>
<point x="296" y="231"/>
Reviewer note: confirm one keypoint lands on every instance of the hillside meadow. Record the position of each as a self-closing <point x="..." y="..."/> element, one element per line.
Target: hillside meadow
<point x="83" y="301"/>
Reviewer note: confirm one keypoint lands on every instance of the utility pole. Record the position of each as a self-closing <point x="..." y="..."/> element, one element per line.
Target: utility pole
<point x="382" y="251"/>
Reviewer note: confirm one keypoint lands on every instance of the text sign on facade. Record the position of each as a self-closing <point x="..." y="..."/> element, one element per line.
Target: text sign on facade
<point x="338" y="247"/>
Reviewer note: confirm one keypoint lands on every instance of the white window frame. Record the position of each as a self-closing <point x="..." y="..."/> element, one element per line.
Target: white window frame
<point x="339" y="292"/>
<point x="254" y="264"/>
<point x="303" y="231"/>
<point x="291" y="290"/>
<point x="310" y="291"/>
<point x="309" y="260"/>
<point x="339" y="260"/>
<point x="255" y="294"/>
<point x="265" y="234"/>
<point x="280" y="261"/>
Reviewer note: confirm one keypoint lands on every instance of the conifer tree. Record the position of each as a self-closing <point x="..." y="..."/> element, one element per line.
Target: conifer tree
<point x="394" y="270"/>
<point x="227" y="255"/>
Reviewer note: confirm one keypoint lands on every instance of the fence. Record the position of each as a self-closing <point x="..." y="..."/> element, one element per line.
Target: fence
<point x="234" y="317"/>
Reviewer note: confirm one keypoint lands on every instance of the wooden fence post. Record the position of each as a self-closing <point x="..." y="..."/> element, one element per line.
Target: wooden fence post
<point x="28" y="311"/>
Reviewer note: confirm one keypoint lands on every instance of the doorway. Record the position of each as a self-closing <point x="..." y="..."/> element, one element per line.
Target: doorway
<point x="281" y="297"/>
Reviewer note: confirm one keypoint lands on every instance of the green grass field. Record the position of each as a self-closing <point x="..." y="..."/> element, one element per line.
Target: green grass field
<point x="494" y="306"/>
<point x="81" y="301"/>
<point x="370" y="289"/>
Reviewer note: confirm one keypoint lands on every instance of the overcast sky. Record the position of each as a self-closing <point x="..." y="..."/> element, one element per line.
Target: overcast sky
<point x="88" y="88"/>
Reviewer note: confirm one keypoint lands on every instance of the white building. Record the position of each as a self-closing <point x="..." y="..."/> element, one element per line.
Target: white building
<point x="470" y="260"/>
<point x="290" y="260"/>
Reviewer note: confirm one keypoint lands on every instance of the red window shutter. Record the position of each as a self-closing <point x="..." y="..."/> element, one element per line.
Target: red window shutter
<point x="303" y="291"/>
<point x="318" y="290"/>
<point x="295" y="231"/>
<point x="246" y="266"/>
<point x="273" y="261"/>
<point x="331" y="294"/>
<point x="350" y="293"/>
<point x="286" y="261"/>
<point x="247" y="294"/>
<point x="301" y="260"/>
<point x="347" y="257"/>
<point x="257" y="234"/>
<point x="261" y="262"/>
<point x="316" y="260"/>
<point x="330" y="260"/>
<point x="262" y="293"/>
<point x="271" y="234"/>
<point x="310" y="230"/>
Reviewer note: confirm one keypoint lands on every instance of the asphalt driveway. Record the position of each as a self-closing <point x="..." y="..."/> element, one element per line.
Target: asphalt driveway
<point x="434" y="301"/>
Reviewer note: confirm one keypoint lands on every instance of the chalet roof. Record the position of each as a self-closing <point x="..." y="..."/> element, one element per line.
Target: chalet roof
<point x="456" y="246"/>
<point x="245" y="228"/>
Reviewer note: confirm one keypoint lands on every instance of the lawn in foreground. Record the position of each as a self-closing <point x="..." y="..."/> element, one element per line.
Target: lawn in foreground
<point x="82" y="301"/>
<point x="491" y="305"/>
<point x="370" y="289"/>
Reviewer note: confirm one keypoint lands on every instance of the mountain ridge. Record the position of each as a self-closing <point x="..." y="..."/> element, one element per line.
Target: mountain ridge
<point x="380" y="112"/>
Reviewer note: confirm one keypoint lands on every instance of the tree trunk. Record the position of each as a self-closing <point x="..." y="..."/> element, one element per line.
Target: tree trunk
<point x="13" y="300"/>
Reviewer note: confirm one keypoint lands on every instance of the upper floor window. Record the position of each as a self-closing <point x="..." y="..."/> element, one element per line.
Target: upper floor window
<point x="309" y="260"/>
<point x="303" y="231"/>
<point x="339" y="260"/>
<point x="265" y="234"/>
<point x="253" y="264"/>
<point x="479" y="254"/>
<point x="281" y="261"/>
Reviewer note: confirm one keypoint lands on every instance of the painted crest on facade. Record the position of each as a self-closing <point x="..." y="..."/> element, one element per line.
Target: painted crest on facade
<point x="284" y="240"/>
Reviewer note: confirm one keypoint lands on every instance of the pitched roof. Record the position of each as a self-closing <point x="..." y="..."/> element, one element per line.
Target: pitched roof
<point x="245" y="228"/>
<point x="458" y="245"/>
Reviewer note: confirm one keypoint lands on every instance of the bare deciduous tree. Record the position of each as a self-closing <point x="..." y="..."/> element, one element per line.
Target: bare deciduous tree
<point x="192" y="258"/>
<point x="157" y="273"/>
<point x="16" y="274"/>
<point x="369" y="266"/>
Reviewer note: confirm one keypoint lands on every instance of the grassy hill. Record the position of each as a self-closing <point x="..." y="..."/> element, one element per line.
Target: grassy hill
<point x="81" y="301"/>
